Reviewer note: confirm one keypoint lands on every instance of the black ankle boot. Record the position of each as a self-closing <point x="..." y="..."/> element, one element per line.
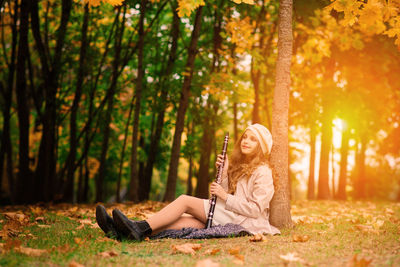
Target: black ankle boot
<point x="133" y="230"/>
<point x="106" y="223"/>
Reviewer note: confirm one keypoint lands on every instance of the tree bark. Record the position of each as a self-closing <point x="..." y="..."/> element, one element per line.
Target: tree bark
<point x="6" y="158"/>
<point x="133" y="193"/>
<point x="205" y="153"/>
<point x="326" y="141"/>
<point x="344" y="151"/>
<point x="280" y="206"/>
<point x="311" y="178"/>
<point x="360" y="165"/>
<point x="25" y="183"/>
<point x="45" y="174"/>
<point x="183" y="104"/>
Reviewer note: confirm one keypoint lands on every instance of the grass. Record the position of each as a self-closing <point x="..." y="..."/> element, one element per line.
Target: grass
<point x="334" y="233"/>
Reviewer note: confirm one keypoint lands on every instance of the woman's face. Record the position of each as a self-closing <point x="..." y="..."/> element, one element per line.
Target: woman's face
<point x="249" y="143"/>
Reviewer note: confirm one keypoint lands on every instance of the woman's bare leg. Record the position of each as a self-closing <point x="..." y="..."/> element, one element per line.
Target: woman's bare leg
<point x="171" y="213"/>
<point x="183" y="221"/>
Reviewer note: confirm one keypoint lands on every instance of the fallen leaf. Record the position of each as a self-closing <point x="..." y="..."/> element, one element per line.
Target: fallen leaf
<point x="257" y="238"/>
<point x="39" y="219"/>
<point x="300" y="238"/>
<point x="78" y="240"/>
<point x="378" y="224"/>
<point x="36" y="210"/>
<point x="75" y="264"/>
<point x="207" y="263"/>
<point x="366" y="228"/>
<point x="239" y="257"/>
<point x="31" y="251"/>
<point x="188" y="248"/>
<point x="389" y="211"/>
<point x="86" y="221"/>
<point x="147" y="238"/>
<point x="15" y="216"/>
<point x="106" y="239"/>
<point x="80" y="227"/>
<point x="43" y="226"/>
<point x="362" y="262"/>
<point x="107" y="254"/>
<point x="291" y="257"/>
<point x="234" y="251"/>
<point x="213" y="251"/>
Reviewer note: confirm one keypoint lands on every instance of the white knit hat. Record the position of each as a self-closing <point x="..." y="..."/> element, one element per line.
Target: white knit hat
<point x="263" y="135"/>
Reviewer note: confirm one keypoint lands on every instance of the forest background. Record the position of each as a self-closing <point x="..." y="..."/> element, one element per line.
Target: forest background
<point x="110" y="101"/>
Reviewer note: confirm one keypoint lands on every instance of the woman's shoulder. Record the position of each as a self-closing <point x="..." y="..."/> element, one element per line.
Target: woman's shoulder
<point x="263" y="169"/>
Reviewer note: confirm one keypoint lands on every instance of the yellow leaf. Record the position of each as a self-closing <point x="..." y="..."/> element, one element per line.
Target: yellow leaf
<point x="188" y="248"/>
<point x="115" y="2"/>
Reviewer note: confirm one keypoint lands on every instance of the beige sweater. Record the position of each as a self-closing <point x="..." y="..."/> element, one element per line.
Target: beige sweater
<point x="251" y="200"/>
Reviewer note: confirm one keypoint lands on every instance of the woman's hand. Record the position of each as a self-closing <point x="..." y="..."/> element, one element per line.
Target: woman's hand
<point x="217" y="190"/>
<point x="219" y="162"/>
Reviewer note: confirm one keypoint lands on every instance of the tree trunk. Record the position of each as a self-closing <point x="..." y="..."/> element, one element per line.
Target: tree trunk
<point x="45" y="174"/>
<point x="6" y="146"/>
<point x="110" y="106"/>
<point x="203" y="177"/>
<point x="360" y="165"/>
<point x="156" y="137"/>
<point x="183" y="103"/>
<point x="69" y="186"/>
<point x="235" y="122"/>
<point x="133" y="193"/>
<point x="333" y="170"/>
<point x="311" y="178"/>
<point x="326" y="141"/>
<point x="280" y="206"/>
<point x="255" y="78"/>
<point x="344" y="150"/>
<point x="25" y="183"/>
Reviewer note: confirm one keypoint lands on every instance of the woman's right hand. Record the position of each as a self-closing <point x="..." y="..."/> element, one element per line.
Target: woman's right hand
<point x="219" y="162"/>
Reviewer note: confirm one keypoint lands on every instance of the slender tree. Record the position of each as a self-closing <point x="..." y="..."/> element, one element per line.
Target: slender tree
<point x="344" y="150"/>
<point x="183" y="104"/>
<point x="280" y="205"/>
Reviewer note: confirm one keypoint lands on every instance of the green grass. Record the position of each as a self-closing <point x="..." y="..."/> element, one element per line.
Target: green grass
<point x="332" y="227"/>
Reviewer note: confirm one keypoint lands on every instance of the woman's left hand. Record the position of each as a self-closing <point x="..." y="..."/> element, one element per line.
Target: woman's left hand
<point x="217" y="190"/>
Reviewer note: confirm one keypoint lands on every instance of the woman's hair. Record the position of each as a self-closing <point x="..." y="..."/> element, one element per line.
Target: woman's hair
<point x="242" y="166"/>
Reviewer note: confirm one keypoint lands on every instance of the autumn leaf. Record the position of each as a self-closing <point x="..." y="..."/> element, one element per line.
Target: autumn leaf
<point x="188" y="248"/>
<point x="115" y="2"/>
<point x="361" y="262"/>
<point x="234" y="251"/>
<point x="213" y="251"/>
<point x="257" y="238"/>
<point x="78" y="240"/>
<point x="75" y="264"/>
<point x="291" y="257"/>
<point x="31" y="251"/>
<point x="107" y="254"/>
<point x="300" y="238"/>
<point x="207" y="263"/>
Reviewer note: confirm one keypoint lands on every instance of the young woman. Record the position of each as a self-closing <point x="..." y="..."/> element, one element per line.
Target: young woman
<point x="243" y="196"/>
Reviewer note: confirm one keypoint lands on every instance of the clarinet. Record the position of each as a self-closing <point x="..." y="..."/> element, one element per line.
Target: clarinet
<point x="218" y="180"/>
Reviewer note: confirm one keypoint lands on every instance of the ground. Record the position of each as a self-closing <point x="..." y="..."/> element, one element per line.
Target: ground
<point x="326" y="233"/>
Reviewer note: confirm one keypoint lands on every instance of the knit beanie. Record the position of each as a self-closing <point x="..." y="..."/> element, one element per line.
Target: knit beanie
<point x="263" y="135"/>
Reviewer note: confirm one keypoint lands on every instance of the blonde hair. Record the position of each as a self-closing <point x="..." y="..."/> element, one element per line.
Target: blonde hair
<point x="242" y="166"/>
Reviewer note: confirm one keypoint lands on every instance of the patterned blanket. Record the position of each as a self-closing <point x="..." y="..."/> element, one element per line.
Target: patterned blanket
<point x="227" y="230"/>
